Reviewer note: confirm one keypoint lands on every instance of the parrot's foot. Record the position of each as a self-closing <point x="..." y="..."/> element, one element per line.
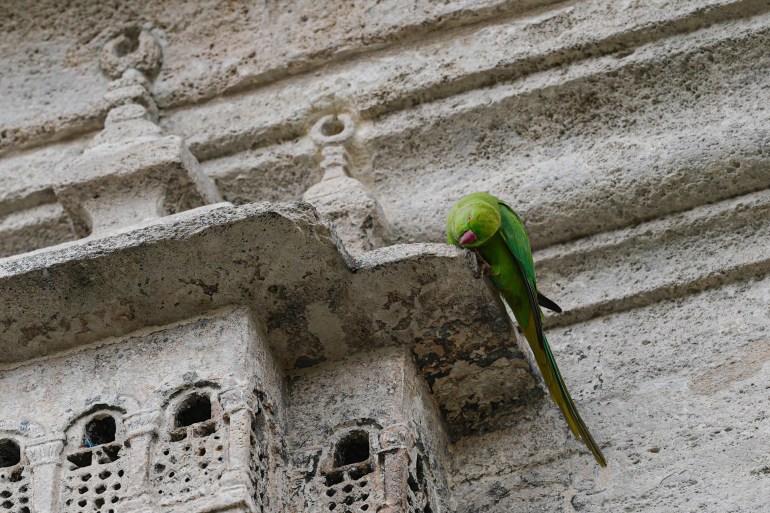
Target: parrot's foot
<point x="484" y="266"/>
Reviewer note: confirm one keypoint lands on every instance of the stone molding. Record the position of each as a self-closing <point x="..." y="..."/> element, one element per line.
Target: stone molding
<point x="46" y="450"/>
<point x="141" y="423"/>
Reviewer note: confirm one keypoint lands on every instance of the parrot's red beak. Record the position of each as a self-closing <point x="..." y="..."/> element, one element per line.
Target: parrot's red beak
<point x="468" y="237"/>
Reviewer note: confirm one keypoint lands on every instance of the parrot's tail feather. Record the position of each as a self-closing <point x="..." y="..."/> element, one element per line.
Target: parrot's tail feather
<point x="570" y="412"/>
<point x="547" y="303"/>
<point x="550" y="371"/>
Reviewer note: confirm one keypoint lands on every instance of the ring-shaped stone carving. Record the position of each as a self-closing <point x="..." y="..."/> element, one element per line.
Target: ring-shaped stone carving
<point x="333" y="129"/>
<point x="132" y="47"/>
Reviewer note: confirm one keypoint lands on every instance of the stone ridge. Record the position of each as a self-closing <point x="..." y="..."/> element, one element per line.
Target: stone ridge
<point x="672" y="257"/>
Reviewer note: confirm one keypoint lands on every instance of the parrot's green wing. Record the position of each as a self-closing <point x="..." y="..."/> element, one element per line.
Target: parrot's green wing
<point x="515" y="236"/>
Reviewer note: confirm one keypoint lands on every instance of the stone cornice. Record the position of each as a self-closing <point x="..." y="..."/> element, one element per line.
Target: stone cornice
<point x="284" y="263"/>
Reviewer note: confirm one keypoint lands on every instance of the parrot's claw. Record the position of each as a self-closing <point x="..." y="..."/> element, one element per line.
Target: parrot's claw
<point x="484" y="267"/>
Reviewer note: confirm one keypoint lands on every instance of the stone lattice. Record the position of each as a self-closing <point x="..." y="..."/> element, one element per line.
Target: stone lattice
<point x="94" y="480"/>
<point x="352" y="491"/>
<point x="189" y="462"/>
<point x="14" y="489"/>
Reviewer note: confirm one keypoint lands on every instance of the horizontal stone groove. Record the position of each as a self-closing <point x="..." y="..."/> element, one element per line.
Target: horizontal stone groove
<point x="441" y="30"/>
<point x="415" y="80"/>
<point x="623" y="42"/>
<point x="503" y="11"/>
<point x="24" y="202"/>
<point x="18" y="138"/>
<point x="590" y="149"/>
<point x="669" y="258"/>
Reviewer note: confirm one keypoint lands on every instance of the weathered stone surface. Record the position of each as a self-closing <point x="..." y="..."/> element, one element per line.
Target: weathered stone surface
<point x="208" y="49"/>
<point x="631" y="136"/>
<point x="654" y="260"/>
<point x="285" y="264"/>
<point x="671" y="392"/>
<point x="331" y="399"/>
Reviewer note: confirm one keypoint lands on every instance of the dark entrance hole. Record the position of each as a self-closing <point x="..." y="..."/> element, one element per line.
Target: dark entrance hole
<point x="332" y="126"/>
<point x="194" y="409"/>
<point x="100" y="430"/>
<point x="354" y="448"/>
<point x="128" y="42"/>
<point x="10" y="454"/>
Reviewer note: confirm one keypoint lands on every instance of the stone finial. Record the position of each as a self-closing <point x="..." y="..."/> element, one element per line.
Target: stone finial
<point x="354" y="211"/>
<point x="131" y="88"/>
<point x="131" y="173"/>
<point x="132" y="47"/>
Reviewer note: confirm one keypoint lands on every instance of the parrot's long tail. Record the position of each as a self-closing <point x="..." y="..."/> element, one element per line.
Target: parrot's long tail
<point x="558" y="389"/>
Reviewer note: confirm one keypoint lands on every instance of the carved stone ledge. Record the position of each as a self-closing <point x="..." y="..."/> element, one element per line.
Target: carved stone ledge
<point x="397" y="436"/>
<point x="237" y="399"/>
<point x="437" y="305"/>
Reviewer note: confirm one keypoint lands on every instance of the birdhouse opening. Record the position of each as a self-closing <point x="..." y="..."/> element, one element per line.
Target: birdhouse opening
<point x="353" y="448"/>
<point x="196" y="408"/>
<point x="100" y="430"/>
<point x="10" y="453"/>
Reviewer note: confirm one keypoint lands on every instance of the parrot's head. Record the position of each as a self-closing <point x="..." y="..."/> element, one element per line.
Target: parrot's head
<point x="471" y="222"/>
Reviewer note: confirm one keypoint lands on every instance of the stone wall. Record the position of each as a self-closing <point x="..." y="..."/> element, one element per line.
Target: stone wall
<point x="349" y="359"/>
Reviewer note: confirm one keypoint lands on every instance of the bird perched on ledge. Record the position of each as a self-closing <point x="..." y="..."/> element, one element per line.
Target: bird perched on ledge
<point x="482" y="222"/>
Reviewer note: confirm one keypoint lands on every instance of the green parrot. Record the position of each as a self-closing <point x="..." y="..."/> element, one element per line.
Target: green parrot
<point x="482" y="222"/>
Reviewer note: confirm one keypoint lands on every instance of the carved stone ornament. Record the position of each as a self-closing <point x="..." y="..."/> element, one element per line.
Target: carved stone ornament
<point x="132" y="47"/>
<point x="141" y="422"/>
<point x="397" y="436"/>
<point x="46" y="450"/>
<point x="237" y="399"/>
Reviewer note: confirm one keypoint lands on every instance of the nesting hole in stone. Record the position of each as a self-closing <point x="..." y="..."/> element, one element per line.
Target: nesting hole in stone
<point x="360" y="471"/>
<point x="332" y="126"/>
<point x="101" y="430"/>
<point x="128" y="42"/>
<point x="10" y="453"/>
<point x="177" y="436"/>
<point x="420" y="469"/>
<point x="109" y="454"/>
<point x="196" y="408"/>
<point x="205" y="429"/>
<point x="412" y="482"/>
<point x="80" y="459"/>
<point x="354" y="448"/>
<point x="334" y="478"/>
